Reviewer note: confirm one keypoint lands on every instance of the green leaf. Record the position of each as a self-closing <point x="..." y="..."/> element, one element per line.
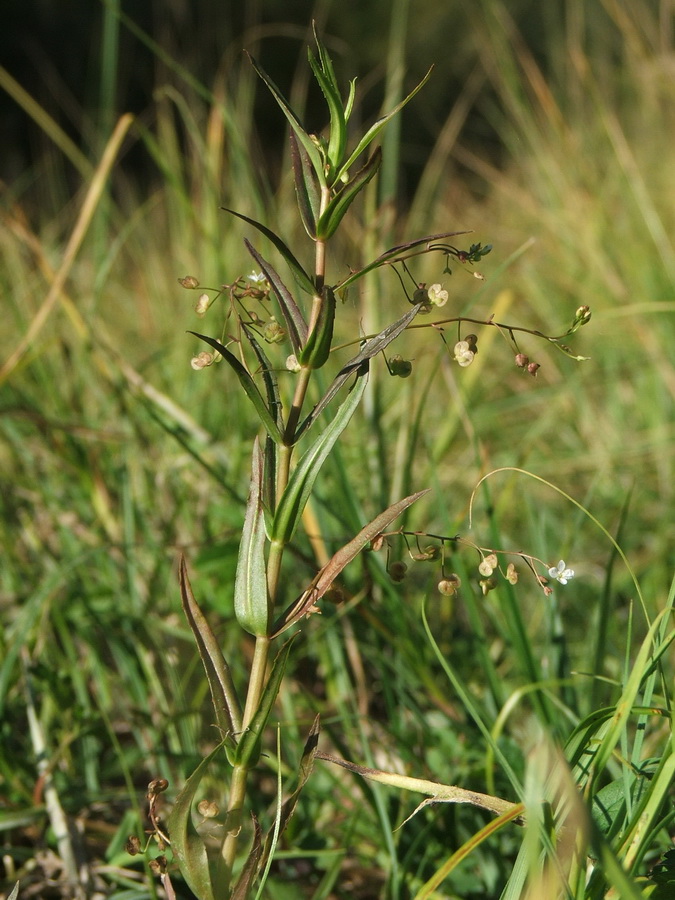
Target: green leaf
<point x="294" y="498"/>
<point x="327" y="575"/>
<point x="295" y="322"/>
<point x="306" y="187"/>
<point x="317" y="349"/>
<point x="338" y="206"/>
<point x="248" y="748"/>
<point x="270" y="470"/>
<point x="299" y="273"/>
<point x="250" y="868"/>
<point x="369" y="349"/>
<point x="251" y="605"/>
<point x="268" y="376"/>
<point x="289" y="805"/>
<point x="337" y="139"/>
<point x="296" y="125"/>
<point x="249" y="385"/>
<point x="377" y="127"/>
<point x="186" y="844"/>
<point x="349" y="105"/>
<point x="223" y="694"/>
<point x="396" y="254"/>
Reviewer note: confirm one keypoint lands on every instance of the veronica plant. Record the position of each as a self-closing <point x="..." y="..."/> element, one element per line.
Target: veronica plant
<point x="329" y="174"/>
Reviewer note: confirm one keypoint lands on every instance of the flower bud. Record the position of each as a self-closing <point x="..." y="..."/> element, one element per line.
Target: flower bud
<point x="202" y="360"/>
<point x="582" y="316"/>
<point x="157" y="786"/>
<point x="487" y="585"/>
<point x="421" y="298"/>
<point x="522" y="361"/>
<point x="208" y="809"/>
<point x="189" y="282"/>
<point x="273" y="332"/>
<point x="450" y="585"/>
<point x="399" y="366"/>
<point x="292" y="364"/>
<point x="397" y="571"/>
<point x="202" y="304"/>
<point x="428" y="554"/>
<point x="532" y="368"/>
<point x="133" y="845"/>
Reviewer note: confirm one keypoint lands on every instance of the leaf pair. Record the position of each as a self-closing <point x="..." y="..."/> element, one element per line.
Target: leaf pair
<point x="321" y="167"/>
<point x="188" y="847"/>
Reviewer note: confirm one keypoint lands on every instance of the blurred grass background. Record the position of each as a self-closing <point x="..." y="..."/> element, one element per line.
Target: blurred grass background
<point x="546" y="129"/>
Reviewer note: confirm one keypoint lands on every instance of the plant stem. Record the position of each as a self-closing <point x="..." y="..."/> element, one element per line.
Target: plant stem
<point x="256" y="685"/>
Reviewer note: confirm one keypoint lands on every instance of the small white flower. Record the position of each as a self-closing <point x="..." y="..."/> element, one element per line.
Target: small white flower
<point x="202" y="304"/>
<point x="463" y="353"/>
<point x="256" y="277"/>
<point x="437" y="295"/>
<point x="560" y="573"/>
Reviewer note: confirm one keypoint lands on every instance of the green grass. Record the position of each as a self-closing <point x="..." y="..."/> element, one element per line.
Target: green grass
<point x="116" y="456"/>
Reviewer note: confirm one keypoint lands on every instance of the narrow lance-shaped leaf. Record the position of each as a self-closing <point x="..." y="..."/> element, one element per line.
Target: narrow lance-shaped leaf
<point x="296" y="125"/>
<point x="266" y="416"/>
<point x="377" y="127"/>
<point x="299" y="273"/>
<point x="306" y="187"/>
<point x="349" y="105"/>
<point x="269" y="378"/>
<point x="242" y="888"/>
<point x="288" y="808"/>
<point x="305" y="604"/>
<point x="325" y="75"/>
<point x="294" y="498"/>
<point x="337" y="139"/>
<point x="295" y="321"/>
<point x="186" y="844"/>
<point x="250" y="585"/>
<point x="338" y="206"/>
<point x="248" y="748"/>
<point x="394" y="255"/>
<point x="317" y="349"/>
<point x="223" y="693"/>
<point x="369" y="349"/>
<point x="275" y="406"/>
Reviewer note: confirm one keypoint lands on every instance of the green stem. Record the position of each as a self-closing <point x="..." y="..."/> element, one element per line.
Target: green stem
<point x="228" y="852"/>
<point x="256" y="685"/>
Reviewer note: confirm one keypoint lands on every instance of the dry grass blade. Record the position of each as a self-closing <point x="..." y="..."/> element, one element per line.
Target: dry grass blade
<point x="91" y="201"/>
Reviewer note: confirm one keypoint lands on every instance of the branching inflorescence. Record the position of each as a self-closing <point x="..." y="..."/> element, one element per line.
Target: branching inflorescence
<point x="264" y="309"/>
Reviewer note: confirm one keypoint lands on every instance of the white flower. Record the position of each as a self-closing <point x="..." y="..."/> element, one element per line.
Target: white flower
<point x="202" y="304"/>
<point x="560" y="573"/>
<point x="463" y="353"/>
<point x="256" y="277"/>
<point x="437" y="295"/>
